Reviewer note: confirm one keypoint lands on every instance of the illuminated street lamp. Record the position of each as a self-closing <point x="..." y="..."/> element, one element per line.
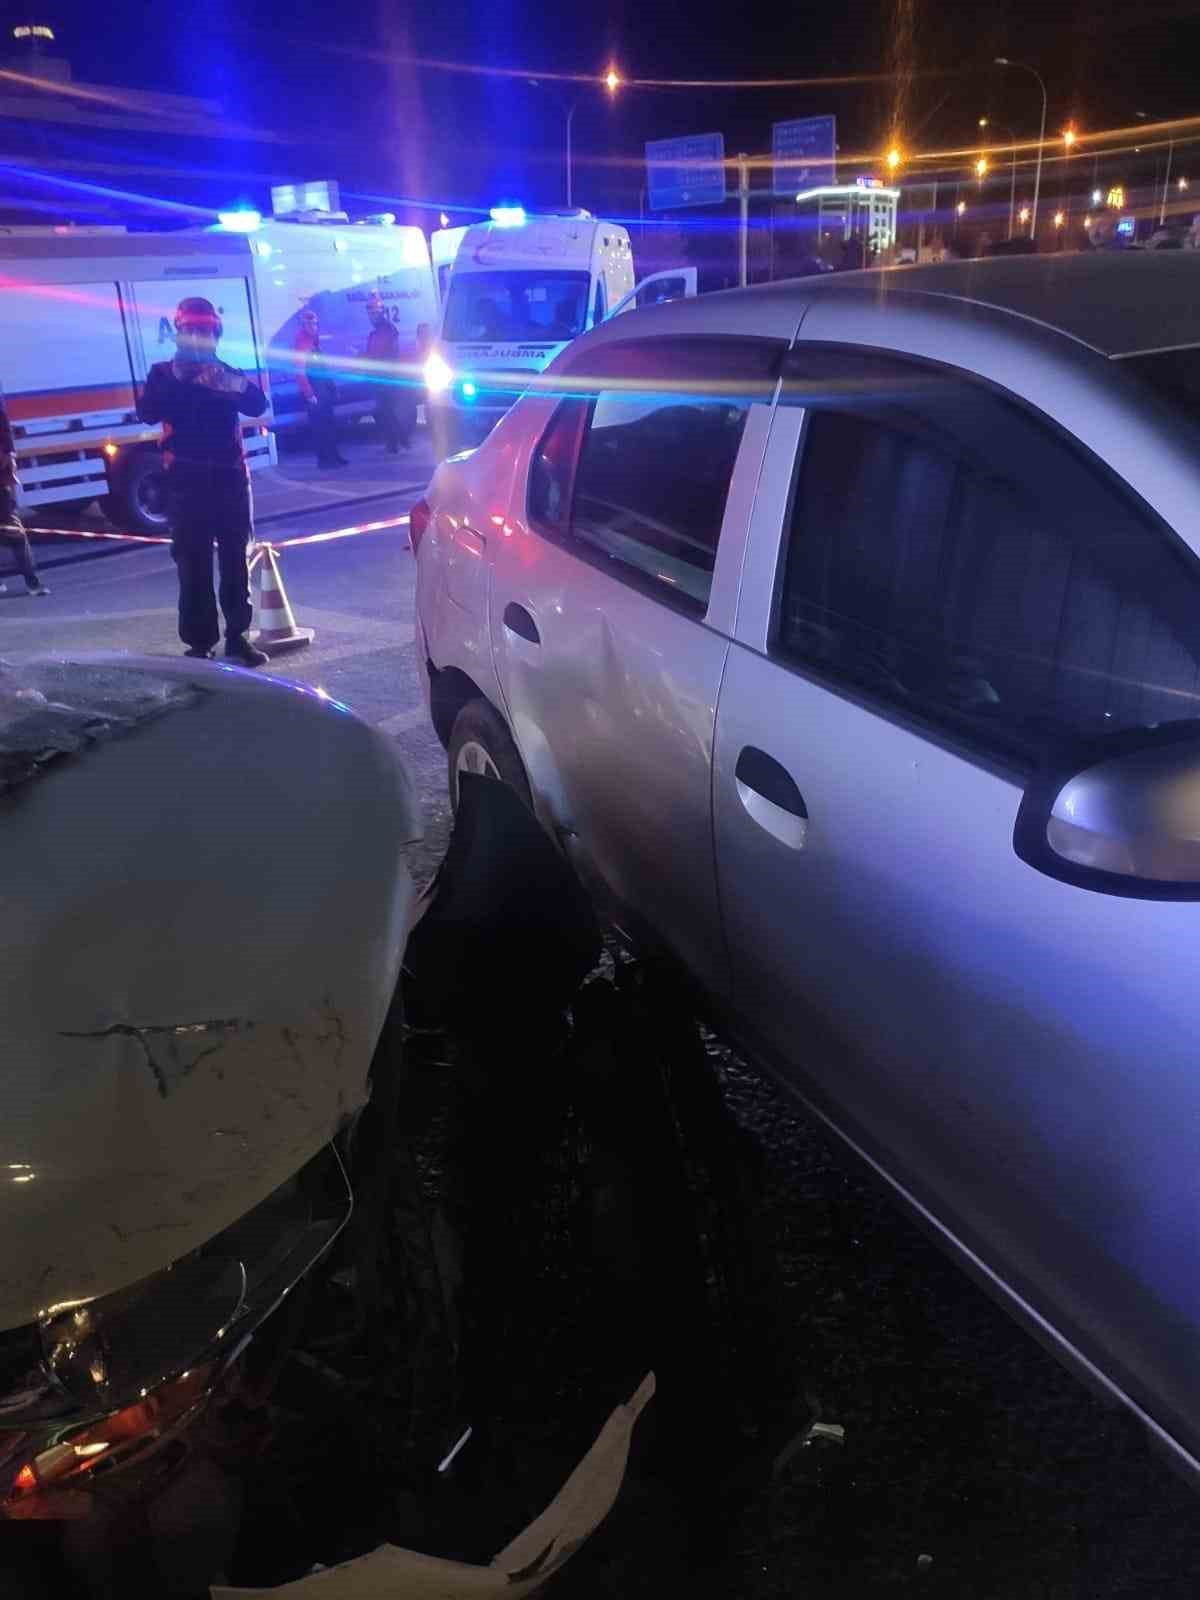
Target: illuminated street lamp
<point x="1003" y="61"/>
<point x="1023" y="214"/>
<point x="1183" y="183"/>
<point x="981" y="167"/>
<point x="1069" y="138"/>
<point x="612" y="80"/>
<point x="1060" y="218"/>
<point x="961" y="208"/>
<point x="1097" y="196"/>
<point x="894" y="158"/>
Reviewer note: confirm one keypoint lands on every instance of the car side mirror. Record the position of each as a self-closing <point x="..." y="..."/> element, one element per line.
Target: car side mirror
<point x="1121" y="816"/>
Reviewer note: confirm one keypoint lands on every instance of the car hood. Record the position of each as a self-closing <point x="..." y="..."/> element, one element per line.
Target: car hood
<point x="203" y="916"/>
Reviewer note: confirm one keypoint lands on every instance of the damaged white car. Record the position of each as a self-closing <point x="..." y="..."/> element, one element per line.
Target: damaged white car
<point x="205" y="909"/>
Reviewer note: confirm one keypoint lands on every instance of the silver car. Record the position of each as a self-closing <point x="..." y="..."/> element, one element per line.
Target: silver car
<point x="847" y="634"/>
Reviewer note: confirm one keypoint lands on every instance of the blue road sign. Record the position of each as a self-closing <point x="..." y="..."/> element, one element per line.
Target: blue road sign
<point x="686" y="172"/>
<point x="805" y="154"/>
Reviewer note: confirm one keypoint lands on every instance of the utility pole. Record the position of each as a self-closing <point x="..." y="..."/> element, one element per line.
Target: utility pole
<point x="744" y="226"/>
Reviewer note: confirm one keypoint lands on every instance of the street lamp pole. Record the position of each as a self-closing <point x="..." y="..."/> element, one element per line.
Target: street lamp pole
<point x="1003" y="61"/>
<point x="570" y="187"/>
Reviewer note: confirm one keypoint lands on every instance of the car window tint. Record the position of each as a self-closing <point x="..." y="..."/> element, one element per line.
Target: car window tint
<point x="960" y="561"/>
<point x="653" y="477"/>
<point x="552" y="468"/>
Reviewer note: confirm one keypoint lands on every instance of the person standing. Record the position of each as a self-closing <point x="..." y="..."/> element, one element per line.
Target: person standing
<point x="317" y="390"/>
<point x="199" y="400"/>
<point x="12" y="529"/>
<point x="383" y="352"/>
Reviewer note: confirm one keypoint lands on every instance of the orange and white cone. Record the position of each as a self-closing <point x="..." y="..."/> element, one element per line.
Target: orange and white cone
<point x="277" y="628"/>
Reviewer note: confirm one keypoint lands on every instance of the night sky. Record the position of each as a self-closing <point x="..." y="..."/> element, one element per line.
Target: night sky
<point x="337" y="89"/>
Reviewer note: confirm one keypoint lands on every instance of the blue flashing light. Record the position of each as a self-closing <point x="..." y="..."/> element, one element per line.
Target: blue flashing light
<point x="508" y="216"/>
<point x="242" y="221"/>
<point x="469" y="390"/>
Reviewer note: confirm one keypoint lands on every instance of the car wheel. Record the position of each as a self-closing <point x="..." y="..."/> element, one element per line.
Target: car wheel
<point x="480" y="743"/>
<point x="138" y="502"/>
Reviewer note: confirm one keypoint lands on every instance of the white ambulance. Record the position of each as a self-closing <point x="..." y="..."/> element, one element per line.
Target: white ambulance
<point x="520" y="289"/>
<point x="334" y="266"/>
<point x="84" y="313"/>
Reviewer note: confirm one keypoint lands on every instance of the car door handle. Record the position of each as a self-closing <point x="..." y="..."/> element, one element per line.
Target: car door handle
<point x="770" y="795"/>
<point x="520" y="622"/>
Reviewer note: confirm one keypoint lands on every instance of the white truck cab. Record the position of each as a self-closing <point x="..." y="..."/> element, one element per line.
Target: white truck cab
<point x="519" y="289"/>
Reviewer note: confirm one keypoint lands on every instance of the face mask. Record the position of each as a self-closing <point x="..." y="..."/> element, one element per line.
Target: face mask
<point x="189" y="352"/>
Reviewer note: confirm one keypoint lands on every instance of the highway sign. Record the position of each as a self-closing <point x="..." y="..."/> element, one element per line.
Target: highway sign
<point x="686" y="172"/>
<point x="805" y="153"/>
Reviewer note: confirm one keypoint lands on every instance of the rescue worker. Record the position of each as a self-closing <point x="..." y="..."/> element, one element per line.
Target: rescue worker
<point x="383" y="352"/>
<point x="199" y="400"/>
<point x="317" y="390"/>
<point x="12" y="529"/>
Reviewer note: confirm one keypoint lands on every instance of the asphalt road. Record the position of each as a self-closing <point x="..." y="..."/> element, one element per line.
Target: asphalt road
<point x="965" y="1443"/>
<point x="356" y="592"/>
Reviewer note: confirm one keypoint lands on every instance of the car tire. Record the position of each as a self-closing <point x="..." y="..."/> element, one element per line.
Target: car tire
<point x="480" y="743"/>
<point x="138" y="500"/>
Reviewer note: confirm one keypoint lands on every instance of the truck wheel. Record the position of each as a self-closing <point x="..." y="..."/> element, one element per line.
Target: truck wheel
<point x="138" y="501"/>
<point x="480" y="743"/>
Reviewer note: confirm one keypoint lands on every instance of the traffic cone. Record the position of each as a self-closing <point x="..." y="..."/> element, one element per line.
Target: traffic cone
<point x="277" y="628"/>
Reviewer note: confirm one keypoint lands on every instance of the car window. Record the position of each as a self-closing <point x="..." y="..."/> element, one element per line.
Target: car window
<point x="651" y="485"/>
<point x="954" y="556"/>
<point x="642" y="451"/>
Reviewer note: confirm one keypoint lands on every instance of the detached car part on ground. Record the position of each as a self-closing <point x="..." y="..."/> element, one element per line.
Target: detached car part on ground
<point x="205" y="910"/>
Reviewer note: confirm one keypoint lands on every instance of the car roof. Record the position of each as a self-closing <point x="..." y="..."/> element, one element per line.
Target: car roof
<point x="1115" y="303"/>
<point x="1121" y="303"/>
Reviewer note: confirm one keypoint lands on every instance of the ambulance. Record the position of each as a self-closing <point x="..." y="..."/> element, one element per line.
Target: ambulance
<point x="520" y="289"/>
<point x="335" y="266"/>
<point x="84" y="314"/>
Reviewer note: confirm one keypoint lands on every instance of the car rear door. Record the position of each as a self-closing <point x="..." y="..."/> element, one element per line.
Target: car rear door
<point x="613" y="592"/>
<point x="939" y="593"/>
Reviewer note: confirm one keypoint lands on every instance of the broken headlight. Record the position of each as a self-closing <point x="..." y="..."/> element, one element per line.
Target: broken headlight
<point x="93" y="1382"/>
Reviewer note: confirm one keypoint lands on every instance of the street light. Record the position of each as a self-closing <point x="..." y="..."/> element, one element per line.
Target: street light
<point x="1003" y="61"/>
<point x="894" y="158"/>
<point x="612" y="81"/>
<point x="1162" y="210"/>
<point x="1059" y="218"/>
<point x="1069" y="138"/>
<point x="1023" y="214"/>
<point x="961" y="208"/>
<point x="1183" y="183"/>
<point x="981" y="167"/>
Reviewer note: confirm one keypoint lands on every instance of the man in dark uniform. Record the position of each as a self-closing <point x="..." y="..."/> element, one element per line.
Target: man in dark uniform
<point x="199" y="399"/>
<point x="317" y="390"/>
<point x="394" y="405"/>
<point x="12" y="530"/>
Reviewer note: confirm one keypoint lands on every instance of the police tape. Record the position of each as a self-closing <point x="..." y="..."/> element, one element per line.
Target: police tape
<point x="275" y="544"/>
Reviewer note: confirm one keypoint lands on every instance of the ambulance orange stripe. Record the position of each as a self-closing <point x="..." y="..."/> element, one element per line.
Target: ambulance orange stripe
<point x="70" y="402"/>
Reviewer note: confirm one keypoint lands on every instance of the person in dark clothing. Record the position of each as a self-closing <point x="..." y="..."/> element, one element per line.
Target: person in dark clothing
<point x="317" y="390"/>
<point x="12" y="529"/>
<point x="198" y="400"/>
<point x="395" y="408"/>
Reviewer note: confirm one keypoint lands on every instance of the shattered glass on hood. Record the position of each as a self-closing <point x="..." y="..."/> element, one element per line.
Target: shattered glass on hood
<point x="55" y="708"/>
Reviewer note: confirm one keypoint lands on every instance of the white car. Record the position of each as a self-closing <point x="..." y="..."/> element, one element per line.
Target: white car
<point x="847" y="634"/>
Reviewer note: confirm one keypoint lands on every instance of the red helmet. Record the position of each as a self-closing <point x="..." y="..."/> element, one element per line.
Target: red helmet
<point x="199" y="312"/>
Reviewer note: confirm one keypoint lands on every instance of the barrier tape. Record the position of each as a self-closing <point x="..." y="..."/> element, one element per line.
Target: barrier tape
<point x="275" y="544"/>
